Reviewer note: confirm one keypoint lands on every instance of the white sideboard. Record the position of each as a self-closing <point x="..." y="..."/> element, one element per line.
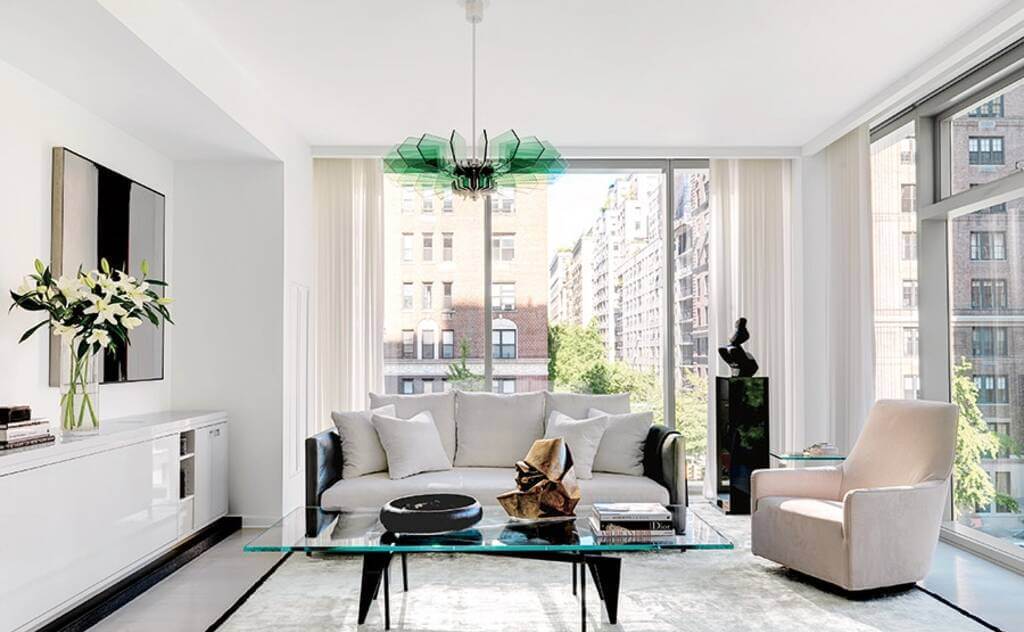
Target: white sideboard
<point x="78" y="515"/>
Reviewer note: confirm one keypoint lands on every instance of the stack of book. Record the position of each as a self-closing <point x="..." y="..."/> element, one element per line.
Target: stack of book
<point x="19" y="429"/>
<point x="629" y="522"/>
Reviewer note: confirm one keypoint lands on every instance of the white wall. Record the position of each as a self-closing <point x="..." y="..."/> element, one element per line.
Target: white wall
<point x="229" y="252"/>
<point x="34" y="119"/>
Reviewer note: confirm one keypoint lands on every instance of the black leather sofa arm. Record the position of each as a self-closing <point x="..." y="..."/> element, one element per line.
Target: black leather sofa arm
<point x="665" y="462"/>
<point x="323" y="464"/>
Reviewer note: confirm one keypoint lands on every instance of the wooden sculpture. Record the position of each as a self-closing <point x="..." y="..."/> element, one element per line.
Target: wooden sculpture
<point x="546" y="483"/>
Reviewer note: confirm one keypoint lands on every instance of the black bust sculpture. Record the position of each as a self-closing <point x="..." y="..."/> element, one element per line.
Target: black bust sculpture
<point x="742" y="363"/>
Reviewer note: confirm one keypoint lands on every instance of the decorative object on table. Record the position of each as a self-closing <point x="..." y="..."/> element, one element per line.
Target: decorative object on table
<point x="430" y="513"/>
<point x="626" y="522"/>
<point x="546" y="483"/>
<point x="741" y="361"/>
<point x="440" y="164"/>
<point x="90" y="312"/>
<point x="821" y="449"/>
<point x="741" y="421"/>
<point x="18" y="429"/>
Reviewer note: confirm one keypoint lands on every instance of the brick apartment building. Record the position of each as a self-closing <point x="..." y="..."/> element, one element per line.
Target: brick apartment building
<point x="434" y="289"/>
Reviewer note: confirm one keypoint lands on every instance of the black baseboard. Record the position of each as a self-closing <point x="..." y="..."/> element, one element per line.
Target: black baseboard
<point x="103" y="604"/>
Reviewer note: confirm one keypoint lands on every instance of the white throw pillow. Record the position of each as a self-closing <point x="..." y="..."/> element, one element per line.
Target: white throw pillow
<point x="497" y="430"/>
<point x="622" y="446"/>
<point x="583" y="436"/>
<point x="440" y="405"/>
<point x="413" y="445"/>
<point x="576" y="405"/>
<point x="361" y="451"/>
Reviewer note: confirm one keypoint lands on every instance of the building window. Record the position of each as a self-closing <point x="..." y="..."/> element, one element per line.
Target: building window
<point x="910" y="342"/>
<point x="989" y="341"/>
<point x="988" y="245"/>
<point x="908" y="149"/>
<point x="1003" y="490"/>
<point x="447" y="240"/>
<point x="447" y="298"/>
<point x="909" y="293"/>
<point x="406" y="247"/>
<point x="992" y="389"/>
<point x="985" y="150"/>
<point x="911" y="386"/>
<point x="428" y="295"/>
<point x="428" y="204"/>
<point x="504" y="200"/>
<point x="503" y="296"/>
<point x="989" y="109"/>
<point x="448" y="344"/>
<point x="503" y="247"/>
<point x="407" y="296"/>
<point x="1002" y="430"/>
<point x="408" y="343"/>
<point x="448" y="203"/>
<point x="408" y="386"/>
<point x="908" y="198"/>
<point x="408" y="199"/>
<point x="504" y="385"/>
<point x="988" y="293"/>
<point x="909" y="246"/>
<point x="427" y="343"/>
<point x="428" y="246"/>
<point x="503" y="344"/>
<point x="428" y="385"/>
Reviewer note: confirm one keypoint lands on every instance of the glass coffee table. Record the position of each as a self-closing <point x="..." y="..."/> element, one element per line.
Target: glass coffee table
<point x="312" y="530"/>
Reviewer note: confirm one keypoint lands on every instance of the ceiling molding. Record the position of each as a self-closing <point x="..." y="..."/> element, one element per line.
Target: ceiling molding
<point x="976" y="44"/>
<point x="571" y="152"/>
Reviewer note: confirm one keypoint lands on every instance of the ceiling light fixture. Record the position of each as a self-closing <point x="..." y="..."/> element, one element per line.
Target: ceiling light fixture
<point x="437" y="164"/>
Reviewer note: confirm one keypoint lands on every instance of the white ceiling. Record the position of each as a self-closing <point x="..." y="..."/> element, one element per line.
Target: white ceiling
<point x="79" y="49"/>
<point x="619" y="73"/>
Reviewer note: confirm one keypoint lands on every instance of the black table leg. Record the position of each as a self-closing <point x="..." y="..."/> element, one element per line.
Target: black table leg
<point x="607" y="572"/>
<point x="583" y="597"/>
<point x="387" y="595"/>
<point x="405" y="575"/>
<point x="374" y="566"/>
<point x="574" y="579"/>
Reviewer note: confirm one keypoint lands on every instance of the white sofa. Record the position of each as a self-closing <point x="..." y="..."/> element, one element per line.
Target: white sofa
<point x="484" y="434"/>
<point x="873" y="521"/>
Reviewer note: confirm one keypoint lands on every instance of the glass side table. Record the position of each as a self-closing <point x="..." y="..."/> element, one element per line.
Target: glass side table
<point x="799" y="459"/>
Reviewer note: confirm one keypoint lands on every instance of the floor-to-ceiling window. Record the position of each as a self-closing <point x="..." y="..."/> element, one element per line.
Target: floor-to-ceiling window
<point x="580" y="275"/>
<point x="966" y="141"/>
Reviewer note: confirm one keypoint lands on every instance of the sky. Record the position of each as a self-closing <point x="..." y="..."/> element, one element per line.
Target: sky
<point x="574" y="201"/>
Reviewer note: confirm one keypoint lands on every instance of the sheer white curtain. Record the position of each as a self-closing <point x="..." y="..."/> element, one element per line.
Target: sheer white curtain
<point x="851" y="346"/>
<point x="750" y="270"/>
<point x="350" y="283"/>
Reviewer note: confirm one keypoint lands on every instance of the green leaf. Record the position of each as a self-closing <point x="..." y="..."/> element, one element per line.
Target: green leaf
<point x="145" y="268"/>
<point x="156" y="282"/>
<point x="31" y="331"/>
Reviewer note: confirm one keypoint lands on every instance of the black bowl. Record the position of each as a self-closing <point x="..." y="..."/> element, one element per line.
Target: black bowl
<point x="430" y="513"/>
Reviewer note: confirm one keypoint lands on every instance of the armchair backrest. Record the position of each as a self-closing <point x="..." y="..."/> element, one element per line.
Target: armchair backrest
<point x="904" y="442"/>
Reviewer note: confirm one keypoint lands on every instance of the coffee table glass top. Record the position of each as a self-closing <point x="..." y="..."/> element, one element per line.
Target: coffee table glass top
<point x="800" y="456"/>
<point x="314" y="530"/>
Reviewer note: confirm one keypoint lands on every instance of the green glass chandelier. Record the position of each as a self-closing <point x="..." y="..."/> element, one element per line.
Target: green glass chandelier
<point x="434" y="163"/>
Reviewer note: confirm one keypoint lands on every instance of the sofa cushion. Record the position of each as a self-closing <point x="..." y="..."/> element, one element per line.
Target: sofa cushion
<point x="576" y="405"/>
<point x="622" y="446"/>
<point x="496" y="430"/>
<point x="582" y="436"/>
<point x="370" y="492"/>
<point x="440" y="405"/>
<point x="361" y="451"/>
<point x="412" y="445"/>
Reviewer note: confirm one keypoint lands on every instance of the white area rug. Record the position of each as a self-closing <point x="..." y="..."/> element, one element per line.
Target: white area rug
<point x="698" y="590"/>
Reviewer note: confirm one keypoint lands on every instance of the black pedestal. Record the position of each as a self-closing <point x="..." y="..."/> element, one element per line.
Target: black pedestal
<point x="742" y="438"/>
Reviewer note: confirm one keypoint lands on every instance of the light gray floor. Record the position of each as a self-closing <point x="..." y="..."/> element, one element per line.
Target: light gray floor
<point x="979" y="587"/>
<point x="195" y="596"/>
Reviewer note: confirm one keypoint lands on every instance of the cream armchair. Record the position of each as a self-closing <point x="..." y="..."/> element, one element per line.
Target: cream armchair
<point x="872" y="521"/>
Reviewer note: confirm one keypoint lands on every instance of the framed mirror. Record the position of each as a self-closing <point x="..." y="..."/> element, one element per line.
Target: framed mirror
<point x="99" y="213"/>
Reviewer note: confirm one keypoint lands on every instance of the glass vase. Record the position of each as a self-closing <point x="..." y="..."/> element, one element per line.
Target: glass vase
<point x="79" y="390"/>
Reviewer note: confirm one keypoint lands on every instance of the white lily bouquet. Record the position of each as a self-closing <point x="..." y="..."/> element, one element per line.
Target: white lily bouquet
<point x="91" y="312"/>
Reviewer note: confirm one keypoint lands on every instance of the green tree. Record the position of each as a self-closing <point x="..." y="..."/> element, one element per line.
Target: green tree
<point x="574" y="351"/>
<point x="972" y="487"/>
<point x="459" y="374"/>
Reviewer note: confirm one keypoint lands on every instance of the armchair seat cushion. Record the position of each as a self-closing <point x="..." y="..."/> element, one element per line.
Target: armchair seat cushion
<point x="484" y="484"/>
<point x="802" y="533"/>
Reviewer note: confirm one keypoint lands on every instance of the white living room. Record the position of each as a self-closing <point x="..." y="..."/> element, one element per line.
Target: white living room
<point x="506" y="315"/>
